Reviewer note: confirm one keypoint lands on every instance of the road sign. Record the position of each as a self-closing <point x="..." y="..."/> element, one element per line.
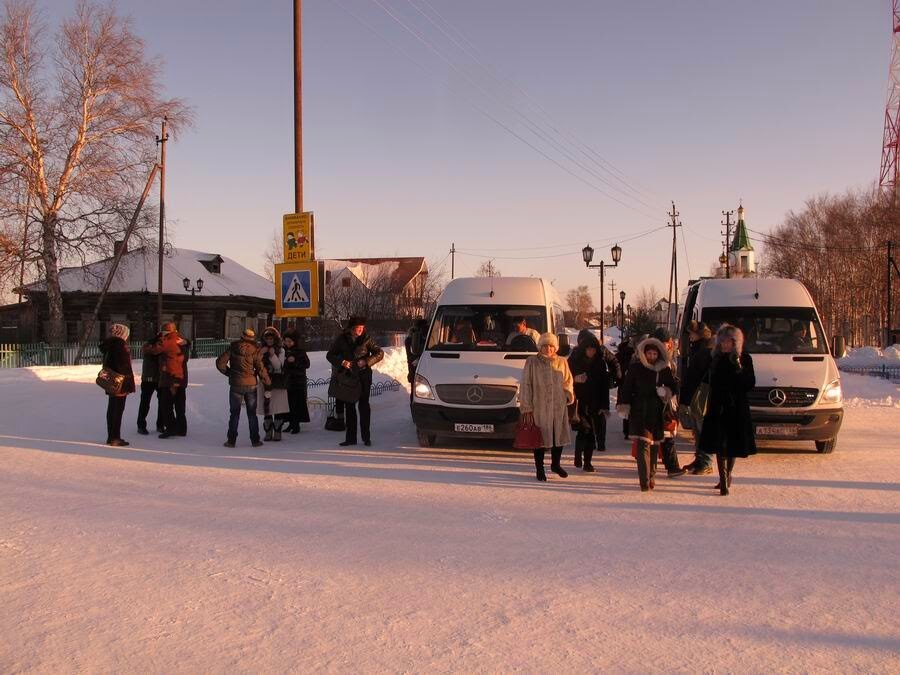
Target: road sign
<point x="298" y="237"/>
<point x="297" y="289"/>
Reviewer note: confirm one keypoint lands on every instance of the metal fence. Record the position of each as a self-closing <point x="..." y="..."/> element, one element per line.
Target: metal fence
<point x="883" y="371"/>
<point x="43" y="354"/>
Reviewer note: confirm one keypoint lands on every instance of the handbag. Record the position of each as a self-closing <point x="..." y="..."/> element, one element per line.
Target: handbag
<point x="345" y="386"/>
<point x="110" y="381"/>
<point x="528" y="437"/>
<point x="700" y="401"/>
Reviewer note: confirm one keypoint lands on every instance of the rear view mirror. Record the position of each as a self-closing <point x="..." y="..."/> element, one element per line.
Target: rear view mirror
<point x="564" y="348"/>
<point x="838" y="346"/>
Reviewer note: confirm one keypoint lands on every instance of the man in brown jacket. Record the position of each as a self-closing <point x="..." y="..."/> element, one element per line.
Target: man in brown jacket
<point x="172" y="350"/>
<point x="243" y="364"/>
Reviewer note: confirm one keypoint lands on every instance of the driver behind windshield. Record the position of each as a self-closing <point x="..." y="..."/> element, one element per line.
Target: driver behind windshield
<point x="797" y="340"/>
<point x="520" y="327"/>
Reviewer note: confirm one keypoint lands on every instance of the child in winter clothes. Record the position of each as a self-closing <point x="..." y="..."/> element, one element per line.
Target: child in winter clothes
<point x="276" y="410"/>
<point x="643" y="397"/>
<point x="296" y="363"/>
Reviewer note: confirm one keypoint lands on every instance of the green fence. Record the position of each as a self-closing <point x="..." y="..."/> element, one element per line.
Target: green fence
<point x="43" y="354"/>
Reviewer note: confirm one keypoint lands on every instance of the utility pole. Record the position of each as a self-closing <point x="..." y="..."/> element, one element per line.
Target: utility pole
<point x="673" y="273"/>
<point x="298" y="110"/>
<point x="161" y="140"/>
<point x="727" y="225"/>
<point x="452" y="260"/>
<point x="612" y="290"/>
<point x="891" y="267"/>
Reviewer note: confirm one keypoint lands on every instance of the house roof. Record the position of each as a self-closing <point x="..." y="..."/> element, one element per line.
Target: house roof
<point x="400" y="271"/>
<point x="137" y="272"/>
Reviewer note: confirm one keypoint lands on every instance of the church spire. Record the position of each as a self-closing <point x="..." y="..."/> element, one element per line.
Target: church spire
<point x="741" y="241"/>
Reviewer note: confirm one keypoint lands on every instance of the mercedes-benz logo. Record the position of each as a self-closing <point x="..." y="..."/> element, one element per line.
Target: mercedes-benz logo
<point x="475" y="394"/>
<point x="777" y="397"/>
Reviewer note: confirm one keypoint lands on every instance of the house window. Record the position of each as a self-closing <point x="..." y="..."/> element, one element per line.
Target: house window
<point x="235" y="322"/>
<point x="745" y="265"/>
<point x="345" y="282"/>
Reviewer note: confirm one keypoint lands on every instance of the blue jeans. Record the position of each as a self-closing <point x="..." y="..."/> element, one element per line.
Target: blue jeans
<point x="235" y="399"/>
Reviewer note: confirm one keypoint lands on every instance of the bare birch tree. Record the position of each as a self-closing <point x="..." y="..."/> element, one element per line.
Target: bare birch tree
<point x="78" y="118"/>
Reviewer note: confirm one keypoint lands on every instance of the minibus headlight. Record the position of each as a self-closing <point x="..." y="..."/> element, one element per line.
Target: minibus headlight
<point x="833" y="393"/>
<point x="422" y="388"/>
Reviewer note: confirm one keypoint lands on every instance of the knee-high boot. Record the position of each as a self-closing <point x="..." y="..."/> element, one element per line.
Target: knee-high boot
<point x="267" y="426"/>
<point x="588" y="456"/>
<point x="555" y="467"/>
<point x="722" y="466"/>
<point x="277" y="428"/>
<point x="539" y="464"/>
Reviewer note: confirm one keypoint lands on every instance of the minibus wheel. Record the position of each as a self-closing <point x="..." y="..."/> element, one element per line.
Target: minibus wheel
<point x="426" y="440"/>
<point x="826" y="447"/>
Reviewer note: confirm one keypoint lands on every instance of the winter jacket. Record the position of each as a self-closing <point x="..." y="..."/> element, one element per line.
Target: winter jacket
<point x="727" y="427"/>
<point x="414" y="344"/>
<point x="296" y="363"/>
<point x="172" y="350"/>
<point x="150" y="363"/>
<point x="624" y="355"/>
<point x="603" y="372"/>
<point x="347" y="348"/>
<point x="243" y="364"/>
<point x="699" y="358"/>
<point x="638" y="398"/>
<point x="546" y="389"/>
<point x="117" y="357"/>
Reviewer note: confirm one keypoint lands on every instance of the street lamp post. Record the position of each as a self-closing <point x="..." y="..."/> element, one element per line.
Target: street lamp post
<point x="193" y="290"/>
<point x="621" y="314"/>
<point x="587" y="254"/>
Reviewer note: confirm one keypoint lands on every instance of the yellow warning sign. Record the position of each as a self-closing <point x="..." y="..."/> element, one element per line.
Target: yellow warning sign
<point x="298" y="237"/>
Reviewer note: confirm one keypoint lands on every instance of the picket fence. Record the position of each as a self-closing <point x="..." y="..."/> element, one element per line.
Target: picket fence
<point x="43" y="354"/>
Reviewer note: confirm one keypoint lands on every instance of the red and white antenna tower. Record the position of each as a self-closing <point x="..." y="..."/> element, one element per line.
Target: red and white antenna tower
<point x="890" y="152"/>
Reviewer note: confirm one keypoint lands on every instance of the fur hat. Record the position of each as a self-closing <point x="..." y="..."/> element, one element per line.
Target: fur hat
<point x="249" y="335"/>
<point x="272" y="332"/>
<point x="168" y="327"/>
<point x="120" y="330"/>
<point x="653" y="343"/>
<point x="356" y="321"/>
<point x="661" y="334"/>
<point x="548" y="339"/>
<point x="726" y="330"/>
<point x="701" y="329"/>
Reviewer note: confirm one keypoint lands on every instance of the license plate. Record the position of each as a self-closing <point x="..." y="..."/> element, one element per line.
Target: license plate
<point x="777" y="430"/>
<point x="474" y="428"/>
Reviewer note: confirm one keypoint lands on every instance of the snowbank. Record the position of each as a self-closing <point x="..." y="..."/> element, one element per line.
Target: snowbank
<point x="864" y="391"/>
<point x="863" y="357"/>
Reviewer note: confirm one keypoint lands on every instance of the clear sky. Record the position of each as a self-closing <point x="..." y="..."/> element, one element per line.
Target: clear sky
<point x="701" y="102"/>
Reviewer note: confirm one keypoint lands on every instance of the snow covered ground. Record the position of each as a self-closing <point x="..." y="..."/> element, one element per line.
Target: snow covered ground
<point x="183" y="556"/>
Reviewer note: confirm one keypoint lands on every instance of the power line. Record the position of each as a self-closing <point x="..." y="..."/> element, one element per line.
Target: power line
<point x="472" y="254"/>
<point x="572" y="243"/>
<point x="532" y="127"/>
<point x="781" y="241"/>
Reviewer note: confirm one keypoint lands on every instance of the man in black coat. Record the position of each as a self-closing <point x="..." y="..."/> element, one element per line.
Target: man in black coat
<point x="149" y="383"/>
<point x="624" y="355"/>
<point x="698" y="360"/>
<point x="356" y="352"/>
<point x="414" y="345"/>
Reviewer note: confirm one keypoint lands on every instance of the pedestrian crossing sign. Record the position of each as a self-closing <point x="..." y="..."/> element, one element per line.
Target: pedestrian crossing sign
<point x="297" y="289"/>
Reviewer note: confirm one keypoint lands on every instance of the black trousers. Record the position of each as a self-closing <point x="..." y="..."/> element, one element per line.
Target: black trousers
<point x="115" y="407"/>
<point x="365" y="415"/>
<point x="147" y="391"/>
<point x="173" y="410"/>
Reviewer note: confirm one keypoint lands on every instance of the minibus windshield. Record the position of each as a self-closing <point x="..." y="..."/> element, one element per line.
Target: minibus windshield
<point x="503" y="328"/>
<point x="772" y="330"/>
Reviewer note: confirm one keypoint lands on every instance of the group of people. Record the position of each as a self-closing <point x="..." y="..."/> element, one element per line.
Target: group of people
<point x="559" y="394"/>
<point x="164" y="371"/>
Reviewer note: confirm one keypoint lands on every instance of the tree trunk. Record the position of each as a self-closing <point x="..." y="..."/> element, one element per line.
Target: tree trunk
<point x="50" y="257"/>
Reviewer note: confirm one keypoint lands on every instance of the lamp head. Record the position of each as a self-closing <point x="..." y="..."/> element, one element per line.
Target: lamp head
<point x="616" y="254"/>
<point x="622" y="296"/>
<point x="588" y="254"/>
<point x="187" y="283"/>
<point x="199" y="284"/>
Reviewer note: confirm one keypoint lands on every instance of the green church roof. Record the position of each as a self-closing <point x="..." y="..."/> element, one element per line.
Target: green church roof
<point x="741" y="241"/>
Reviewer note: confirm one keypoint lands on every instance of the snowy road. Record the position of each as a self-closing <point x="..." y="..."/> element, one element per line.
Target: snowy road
<point x="182" y="556"/>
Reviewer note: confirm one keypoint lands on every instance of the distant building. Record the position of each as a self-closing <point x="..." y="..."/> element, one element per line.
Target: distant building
<point x="741" y="256"/>
<point x="233" y="298"/>
<point x="389" y="288"/>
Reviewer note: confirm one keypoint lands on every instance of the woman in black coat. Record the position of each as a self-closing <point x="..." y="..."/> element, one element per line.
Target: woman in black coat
<point x="296" y="363"/>
<point x="645" y="393"/>
<point x="594" y="369"/>
<point x="116" y="357"/>
<point x="727" y="428"/>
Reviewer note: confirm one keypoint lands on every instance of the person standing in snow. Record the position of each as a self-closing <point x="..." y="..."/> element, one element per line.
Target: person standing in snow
<point x="727" y="428"/>
<point x="545" y="391"/>
<point x="356" y="352"/>
<point x="172" y="350"/>
<point x="243" y="365"/>
<point x="117" y="357"/>
<point x="645" y="393"/>
<point x="624" y="355"/>
<point x="414" y="345"/>
<point x="670" y="414"/>
<point x="698" y="359"/>
<point x="276" y="407"/>
<point x="149" y="386"/>
<point x="594" y="370"/>
<point x="296" y="363"/>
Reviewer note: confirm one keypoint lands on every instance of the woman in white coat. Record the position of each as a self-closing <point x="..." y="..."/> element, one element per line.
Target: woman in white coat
<point x="546" y="389"/>
<point x="275" y="409"/>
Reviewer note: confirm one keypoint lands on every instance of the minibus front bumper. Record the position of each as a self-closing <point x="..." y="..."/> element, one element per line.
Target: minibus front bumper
<point x="443" y="420"/>
<point x="803" y="424"/>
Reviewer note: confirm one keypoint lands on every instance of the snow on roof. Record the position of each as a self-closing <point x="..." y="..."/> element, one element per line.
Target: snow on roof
<point x="371" y="271"/>
<point x="137" y="272"/>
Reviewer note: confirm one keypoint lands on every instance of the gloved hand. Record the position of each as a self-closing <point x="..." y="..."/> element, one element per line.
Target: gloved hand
<point x="267" y="394"/>
<point x="580" y="378"/>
